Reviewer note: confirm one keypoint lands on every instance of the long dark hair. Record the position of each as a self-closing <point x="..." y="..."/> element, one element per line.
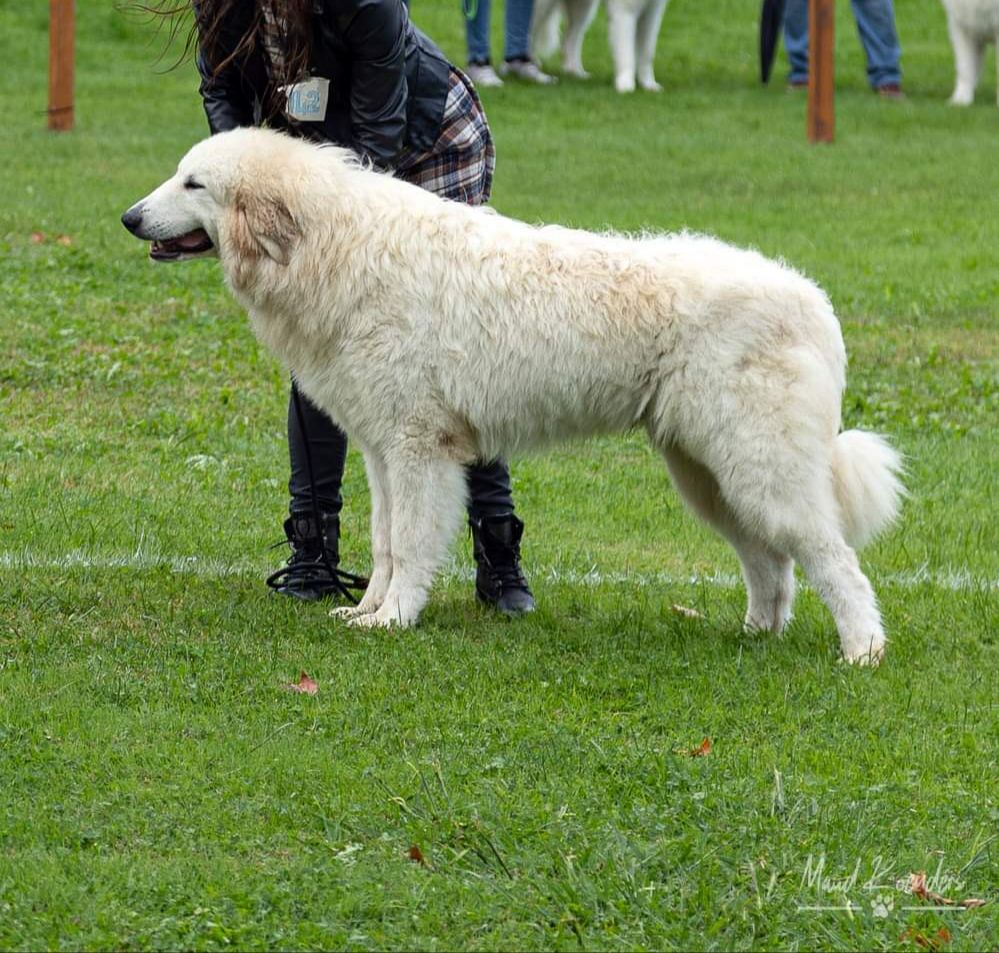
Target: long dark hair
<point x="204" y="31"/>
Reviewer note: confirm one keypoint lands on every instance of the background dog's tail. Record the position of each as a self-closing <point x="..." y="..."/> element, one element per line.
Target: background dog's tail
<point x="867" y="480"/>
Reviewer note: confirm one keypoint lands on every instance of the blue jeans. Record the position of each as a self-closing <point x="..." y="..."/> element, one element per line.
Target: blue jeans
<point x="517" y="43"/>
<point x="876" y="26"/>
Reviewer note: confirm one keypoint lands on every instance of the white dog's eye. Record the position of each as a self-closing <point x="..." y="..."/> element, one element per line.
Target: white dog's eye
<point x="189" y="183"/>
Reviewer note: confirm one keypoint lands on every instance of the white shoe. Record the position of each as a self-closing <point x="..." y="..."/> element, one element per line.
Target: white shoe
<point x="527" y="70"/>
<point x="482" y="74"/>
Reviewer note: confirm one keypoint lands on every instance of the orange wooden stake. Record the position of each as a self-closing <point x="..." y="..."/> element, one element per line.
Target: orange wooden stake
<point x="62" y="42"/>
<point x="821" y="118"/>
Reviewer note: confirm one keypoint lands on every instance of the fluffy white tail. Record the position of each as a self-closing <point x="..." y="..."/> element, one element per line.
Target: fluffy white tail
<point x="867" y="480"/>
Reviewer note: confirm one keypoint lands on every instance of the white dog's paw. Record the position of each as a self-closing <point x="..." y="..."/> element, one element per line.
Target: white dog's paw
<point x="651" y="86"/>
<point x="384" y="618"/>
<point x="871" y="655"/>
<point x="370" y="603"/>
<point x="576" y="72"/>
<point x="765" y="624"/>
<point x="369" y="620"/>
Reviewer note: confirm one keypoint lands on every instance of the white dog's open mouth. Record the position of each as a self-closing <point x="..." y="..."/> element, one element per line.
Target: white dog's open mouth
<point x="186" y="246"/>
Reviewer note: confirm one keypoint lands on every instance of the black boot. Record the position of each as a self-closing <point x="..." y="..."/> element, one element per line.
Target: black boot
<point x="499" y="581"/>
<point x="312" y="571"/>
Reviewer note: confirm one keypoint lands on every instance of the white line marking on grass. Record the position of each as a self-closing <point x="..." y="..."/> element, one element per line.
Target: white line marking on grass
<point x="955" y="579"/>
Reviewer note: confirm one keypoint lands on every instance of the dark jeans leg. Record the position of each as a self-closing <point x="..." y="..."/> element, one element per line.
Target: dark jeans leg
<point x="489" y="490"/>
<point x="796" y="39"/>
<point x="323" y="444"/>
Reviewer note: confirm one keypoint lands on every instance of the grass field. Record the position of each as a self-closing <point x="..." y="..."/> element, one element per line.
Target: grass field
<point x="160" y="789"/>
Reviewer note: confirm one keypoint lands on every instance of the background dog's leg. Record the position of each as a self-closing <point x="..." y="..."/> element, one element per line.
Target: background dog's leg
<point x="427" y="502"/>
<point x="621" y="29"/>
<point x="544" y="28"/>
<point x="648" y="35"/>
<point x="381" y="540"/>
<point x="580" y="15"/>
<point x="968" y="54"/>
<point x="769" y="575"/>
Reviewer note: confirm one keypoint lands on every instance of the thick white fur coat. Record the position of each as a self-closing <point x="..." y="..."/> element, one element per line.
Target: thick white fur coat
<point x="436" y="334"/>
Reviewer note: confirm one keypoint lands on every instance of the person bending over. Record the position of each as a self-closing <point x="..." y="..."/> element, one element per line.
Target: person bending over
<point x="359" y="74"/>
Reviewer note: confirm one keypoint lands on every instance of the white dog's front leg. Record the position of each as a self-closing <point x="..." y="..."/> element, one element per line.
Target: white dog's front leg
<point x="648" y="36"/>
<point x="622" y="28"/>
<point x="968" y="54"/>
<point x="427" y="498"/>
<point x="381" y="540"/>
<point x="580" y="16"/>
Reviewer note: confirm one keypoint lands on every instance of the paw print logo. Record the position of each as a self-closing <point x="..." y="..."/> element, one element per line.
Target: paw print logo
<point x="882" y="905"/>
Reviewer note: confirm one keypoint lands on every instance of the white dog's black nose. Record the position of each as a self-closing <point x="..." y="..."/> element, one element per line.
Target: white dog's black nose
<point x="132" y="219"/>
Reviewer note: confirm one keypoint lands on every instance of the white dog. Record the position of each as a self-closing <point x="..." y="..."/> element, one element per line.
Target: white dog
<point x="633" y="28"/>
<point x="437" y="334"/>
<point x="973" y="24"/>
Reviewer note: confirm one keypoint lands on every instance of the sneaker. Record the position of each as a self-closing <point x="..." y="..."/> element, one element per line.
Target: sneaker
<point x="313" y="568"/>
<point x="528" y="71"/>
<point x="499" y="580"/>
<point x="890" y="91"/>
<point x="482" y="74"/>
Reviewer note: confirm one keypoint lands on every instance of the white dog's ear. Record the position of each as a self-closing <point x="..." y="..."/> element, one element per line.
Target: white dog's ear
<point x="262" y="225"/>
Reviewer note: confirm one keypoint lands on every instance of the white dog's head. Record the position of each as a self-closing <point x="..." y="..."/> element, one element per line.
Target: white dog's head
<point x="229" y="192"/>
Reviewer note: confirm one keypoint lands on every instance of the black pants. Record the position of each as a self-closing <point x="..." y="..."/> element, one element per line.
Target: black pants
<point x="489" y="491"/>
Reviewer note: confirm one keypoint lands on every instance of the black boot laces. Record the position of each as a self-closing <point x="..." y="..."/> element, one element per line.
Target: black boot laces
<point x="320" y="571"/>
<point x="301" y="569"/>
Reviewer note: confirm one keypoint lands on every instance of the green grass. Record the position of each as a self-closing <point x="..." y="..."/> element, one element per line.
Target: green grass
<point x="159" y="789"/>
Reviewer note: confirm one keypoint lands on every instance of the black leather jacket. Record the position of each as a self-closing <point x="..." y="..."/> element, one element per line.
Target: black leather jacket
<point x="388" y="81"/>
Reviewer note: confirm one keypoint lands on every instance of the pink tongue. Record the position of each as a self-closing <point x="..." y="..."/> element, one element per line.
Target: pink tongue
<point x="192" y="240"/>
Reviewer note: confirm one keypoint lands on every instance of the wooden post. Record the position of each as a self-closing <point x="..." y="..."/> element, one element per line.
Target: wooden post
<point x="821" y="118"/>
<point x="62" y="41"/>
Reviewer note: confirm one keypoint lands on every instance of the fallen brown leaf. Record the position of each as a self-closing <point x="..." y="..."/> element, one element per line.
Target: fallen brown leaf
<point x="305" y="685"/>
<point x="686" y="611"/>
<point x="416" y="856"/>
<point x="64" y="240"/>
<point x="918" y="888"/>
<point x="927" y="943"/>
<point x="37" y="238"/>
<point x="699" y="752"/>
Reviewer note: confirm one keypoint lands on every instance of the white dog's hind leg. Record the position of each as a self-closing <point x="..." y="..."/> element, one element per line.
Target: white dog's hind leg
<point x="833" y="569"/>
<point x="621" y="29"/>
<point x="770" y="584"/>
<point x="648" y="35"/>
<point x="427" y="498"/>
<point x="381" y="541"/>
<point x="793" y="504"/>
<point x="769" y="575"/>
<point x="968" y="54"/>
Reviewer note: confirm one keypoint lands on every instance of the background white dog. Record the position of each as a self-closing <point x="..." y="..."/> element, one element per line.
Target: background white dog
<point x="436" y="334"/>
<point x="633" y="30"/>
<point x="973" y="24"/>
